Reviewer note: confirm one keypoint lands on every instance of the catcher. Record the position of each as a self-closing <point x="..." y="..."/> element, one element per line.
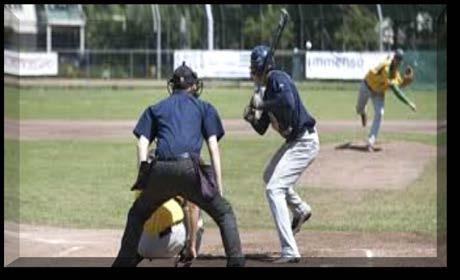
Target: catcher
<point x="377" y="81"/>
<point x="167" y="233"/>
<point x="171" y="230"/>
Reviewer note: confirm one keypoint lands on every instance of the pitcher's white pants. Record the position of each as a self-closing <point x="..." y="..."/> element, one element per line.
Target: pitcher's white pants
<point x="378" y="100"/>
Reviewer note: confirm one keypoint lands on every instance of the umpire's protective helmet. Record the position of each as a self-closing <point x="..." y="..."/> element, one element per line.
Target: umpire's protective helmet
<point x="258" y="56"/>
<point x="183" y="78"/>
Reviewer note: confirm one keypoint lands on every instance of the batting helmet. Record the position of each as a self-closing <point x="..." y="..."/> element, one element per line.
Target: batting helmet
<point x="183" y="78"/>
<point x="258" y="56"/>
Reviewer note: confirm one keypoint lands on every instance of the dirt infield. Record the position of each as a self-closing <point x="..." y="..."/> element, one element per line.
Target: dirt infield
<point x="394" y="167"/>
<point x="96" y="129"/>
<point x="260" y="246"/>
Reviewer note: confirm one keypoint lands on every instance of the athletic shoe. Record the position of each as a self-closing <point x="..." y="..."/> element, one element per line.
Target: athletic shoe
<point x="299" y="220"/>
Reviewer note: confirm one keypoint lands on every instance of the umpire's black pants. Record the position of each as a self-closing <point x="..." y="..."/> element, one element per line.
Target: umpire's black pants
<point x="167" y="180"/>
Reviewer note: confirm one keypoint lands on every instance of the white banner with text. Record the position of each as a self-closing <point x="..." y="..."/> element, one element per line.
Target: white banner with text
<point x="341" y="65"/>
<point x="30" y="64"/>
<point x="215" y="64"/>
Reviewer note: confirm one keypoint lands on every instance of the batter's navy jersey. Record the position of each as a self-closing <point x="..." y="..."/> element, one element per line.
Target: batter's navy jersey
<point x="178" y="124"/>
<point x="282" y="105"/>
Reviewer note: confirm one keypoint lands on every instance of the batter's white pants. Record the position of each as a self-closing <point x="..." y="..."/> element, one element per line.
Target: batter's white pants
<point x="280" y="176"/>
<point x="378" y="101"/>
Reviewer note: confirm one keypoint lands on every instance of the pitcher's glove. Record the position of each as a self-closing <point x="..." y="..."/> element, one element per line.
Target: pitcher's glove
<point x="142" y="176"/>
<point x="408" y="76"/>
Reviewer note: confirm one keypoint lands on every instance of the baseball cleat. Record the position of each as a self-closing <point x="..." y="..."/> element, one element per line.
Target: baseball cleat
<point x="298" y="221"/>
<point x="363" y="119"/>
<point x="370" y="148"/>
<point x="287" y="260"/>
<point x="183" y="264"/>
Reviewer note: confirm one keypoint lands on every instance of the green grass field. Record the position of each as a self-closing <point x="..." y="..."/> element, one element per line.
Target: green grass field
<point x="11" y="180"/>
<point x="86" y="183"/>
<point x="326" y="102"/>
<point x="11" y="102"/>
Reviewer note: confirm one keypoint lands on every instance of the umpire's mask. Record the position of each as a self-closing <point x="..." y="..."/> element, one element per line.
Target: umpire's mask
<point x="183" y="78"/>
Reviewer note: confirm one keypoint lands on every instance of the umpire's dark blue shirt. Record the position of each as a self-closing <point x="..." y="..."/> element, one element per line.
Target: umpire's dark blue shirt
<point x="179" y="123"/>
<point x="282" y="101"/>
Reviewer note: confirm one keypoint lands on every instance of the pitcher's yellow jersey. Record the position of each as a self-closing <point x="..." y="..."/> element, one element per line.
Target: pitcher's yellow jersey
<point x="167" y="215"/>
<point x="380" y="78"/>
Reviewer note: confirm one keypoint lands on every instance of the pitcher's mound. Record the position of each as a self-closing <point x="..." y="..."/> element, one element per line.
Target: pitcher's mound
<point x="351" y="166"/>
<point x="362" y="147"/>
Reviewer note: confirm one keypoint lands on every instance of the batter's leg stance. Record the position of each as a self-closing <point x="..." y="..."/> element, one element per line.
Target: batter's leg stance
<point x="295" y="203"/>
<point x="274" y="161"/>
<point x="277" y="201"/>
<point x="297" y="156"/>
<point x="309" y="149"/>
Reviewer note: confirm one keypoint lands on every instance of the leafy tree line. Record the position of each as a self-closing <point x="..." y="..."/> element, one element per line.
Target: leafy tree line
<point x="236" y="26"/>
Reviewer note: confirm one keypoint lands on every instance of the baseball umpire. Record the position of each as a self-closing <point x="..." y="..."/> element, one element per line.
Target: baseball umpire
<point x="377" y="81"/>
<point x="178" y="125"/>
<point x="281" y="106"/>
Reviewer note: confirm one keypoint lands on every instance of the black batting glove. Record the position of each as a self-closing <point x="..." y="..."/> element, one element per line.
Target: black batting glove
<point x="249" y="114"/>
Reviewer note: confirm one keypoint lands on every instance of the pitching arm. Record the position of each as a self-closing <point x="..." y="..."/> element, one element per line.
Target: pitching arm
<point x="402" y="97"/>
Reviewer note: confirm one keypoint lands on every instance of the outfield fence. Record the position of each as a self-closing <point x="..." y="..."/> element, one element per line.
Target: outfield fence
<point x="138" y="64"/>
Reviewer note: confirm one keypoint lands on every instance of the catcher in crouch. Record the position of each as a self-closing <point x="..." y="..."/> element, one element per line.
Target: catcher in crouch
<point x="168" y="231"/>
<point x="377" y="81"/>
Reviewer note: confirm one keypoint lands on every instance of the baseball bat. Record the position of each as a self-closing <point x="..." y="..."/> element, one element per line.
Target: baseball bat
<point x="276" y="37"/>
<point x="273" y="46"/>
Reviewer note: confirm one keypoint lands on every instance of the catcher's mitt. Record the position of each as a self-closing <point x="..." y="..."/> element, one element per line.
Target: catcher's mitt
<point x="408" y="76"/>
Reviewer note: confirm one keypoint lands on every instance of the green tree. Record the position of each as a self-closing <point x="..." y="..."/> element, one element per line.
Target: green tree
<point x="195" y="26"/>
<point x="259" y="28"/>
<point x="140" y="16"/>
<point x="358" y="29"/>
<point x="104" y="27"/>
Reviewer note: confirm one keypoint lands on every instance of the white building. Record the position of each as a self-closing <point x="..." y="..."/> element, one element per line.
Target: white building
<point x="49" y="27"/>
